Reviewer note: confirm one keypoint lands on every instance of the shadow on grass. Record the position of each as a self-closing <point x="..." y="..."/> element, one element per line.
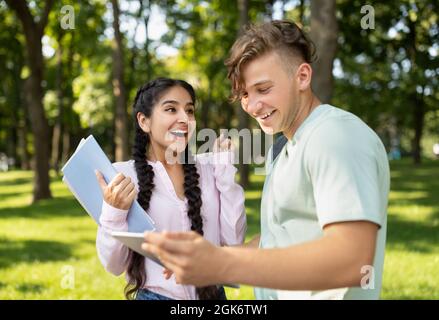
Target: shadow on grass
<point x="13" y="252"/>
<point x="15" y="181"/>
<point x="412" y="236"/>
<point x="421" y="235"/>
<point x="49" y="208"/>
<point x="30" y="288"/>
<point x="6" y="195"/>
<point x="407" y="177"/>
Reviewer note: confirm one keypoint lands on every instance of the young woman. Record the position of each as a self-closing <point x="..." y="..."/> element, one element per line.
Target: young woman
<point x="198" y="195"/>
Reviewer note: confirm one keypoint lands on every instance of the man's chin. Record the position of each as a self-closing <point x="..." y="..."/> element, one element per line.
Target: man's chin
<point x="269" y="130"/>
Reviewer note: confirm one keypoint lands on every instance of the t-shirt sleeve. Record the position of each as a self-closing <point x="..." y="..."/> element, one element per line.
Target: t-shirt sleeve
<point x="343" y="165"/>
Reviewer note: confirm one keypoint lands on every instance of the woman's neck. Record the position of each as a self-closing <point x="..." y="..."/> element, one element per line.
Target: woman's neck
<point x="167" y="158"/>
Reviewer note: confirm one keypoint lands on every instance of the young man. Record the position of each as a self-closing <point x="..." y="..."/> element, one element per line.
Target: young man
<point x="323" y="208"/>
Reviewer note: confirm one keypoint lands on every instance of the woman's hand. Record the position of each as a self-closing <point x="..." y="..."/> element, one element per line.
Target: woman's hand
<point x="167" y="273"/>
<point x="119" y="193"/>
<point x="222" y="144"/>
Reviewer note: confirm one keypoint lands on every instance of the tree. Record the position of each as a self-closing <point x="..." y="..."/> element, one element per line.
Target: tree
<point x="244" y="120"/>
<point x="119" y="90"/>
<point x="389" y="73"/>
<point x="57" y="130"/>
<point x="34" y="30"/>
<point x="14" y="118"/>
<point x="324" y="35"/>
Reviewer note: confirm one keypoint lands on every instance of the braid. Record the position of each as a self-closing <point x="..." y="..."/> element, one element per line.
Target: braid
<point x="192" y="192"/>
<point x="145" y="177"/>
<point x="193" y="196"/>
<point x="145" y="173"/>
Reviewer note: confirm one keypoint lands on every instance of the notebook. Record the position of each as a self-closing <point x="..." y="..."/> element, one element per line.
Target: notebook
<point x="80" y="177"/>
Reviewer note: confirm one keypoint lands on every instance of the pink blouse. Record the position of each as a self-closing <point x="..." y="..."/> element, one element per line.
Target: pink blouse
<point x="222" y="211"/>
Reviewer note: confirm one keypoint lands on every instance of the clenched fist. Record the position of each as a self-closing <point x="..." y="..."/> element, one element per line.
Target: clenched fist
<point x="119" y="193"/>
<point x="223" y="144"/>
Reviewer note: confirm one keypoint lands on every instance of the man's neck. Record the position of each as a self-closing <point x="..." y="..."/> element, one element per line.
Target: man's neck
<point x="305" y="109"/>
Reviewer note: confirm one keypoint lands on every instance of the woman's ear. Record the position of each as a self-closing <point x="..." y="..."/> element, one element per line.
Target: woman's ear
<point x="144" y="122"/>
<point x="304" y="76"/>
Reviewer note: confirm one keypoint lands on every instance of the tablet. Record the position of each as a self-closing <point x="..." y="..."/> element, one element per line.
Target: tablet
<point x="134" y="241"/>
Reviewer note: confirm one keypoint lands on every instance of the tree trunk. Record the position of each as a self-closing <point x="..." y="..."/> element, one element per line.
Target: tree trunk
<point x="417" y="99"/>
<point x="244" y="121"/>
<point x="147" y="41"/>
<point x="23" y="152"/>
<point x="121" y="117"/>
<point x="57" y="130"/>
<point x="16" y="103"/>
<point x="418" y="122"/>
<point x="12" y="137"/>
<point x="206" y="108"/>
<point x="134" y="51"/>
<point x="301" y="11"/>
<point x="67" y="121"/>
<point x="324" y="32"/>
<point x="33" y="33"/>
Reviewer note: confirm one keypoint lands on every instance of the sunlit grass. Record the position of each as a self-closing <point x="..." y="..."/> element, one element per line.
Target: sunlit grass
<point x="42" y="245"/>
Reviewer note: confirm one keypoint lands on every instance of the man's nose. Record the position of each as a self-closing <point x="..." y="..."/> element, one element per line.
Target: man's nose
<point x="253" y="107"/>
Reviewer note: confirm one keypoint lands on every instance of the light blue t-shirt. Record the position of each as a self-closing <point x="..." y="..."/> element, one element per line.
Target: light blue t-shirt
<point x="334" y="169"/>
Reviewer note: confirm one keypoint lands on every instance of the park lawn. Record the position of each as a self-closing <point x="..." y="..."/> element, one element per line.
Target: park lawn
<point x="47" y="250"/>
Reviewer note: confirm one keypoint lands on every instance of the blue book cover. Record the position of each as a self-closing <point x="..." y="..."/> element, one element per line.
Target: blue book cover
<point x="79" y="175"/>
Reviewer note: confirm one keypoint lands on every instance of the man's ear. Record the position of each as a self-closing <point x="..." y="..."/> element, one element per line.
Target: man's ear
<point x="304" y="76"/>
<point x="144" y="122"/>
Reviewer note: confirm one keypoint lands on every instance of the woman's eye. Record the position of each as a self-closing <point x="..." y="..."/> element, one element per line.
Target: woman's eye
<point x="170" y="109"/>
<point x="190" y="111"/>
<point x="265" y="90"/>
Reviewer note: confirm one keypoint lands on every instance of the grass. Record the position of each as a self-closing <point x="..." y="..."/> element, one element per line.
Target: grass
<point x="47" y="250"/>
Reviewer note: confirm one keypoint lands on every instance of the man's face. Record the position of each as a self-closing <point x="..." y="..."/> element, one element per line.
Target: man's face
<point x="270" y="95"/>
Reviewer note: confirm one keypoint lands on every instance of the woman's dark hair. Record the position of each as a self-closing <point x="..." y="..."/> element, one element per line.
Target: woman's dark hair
<point x="147" y="96"/>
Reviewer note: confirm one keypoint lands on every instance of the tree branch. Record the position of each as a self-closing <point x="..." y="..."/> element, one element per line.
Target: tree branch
<point x="45" y="15"/>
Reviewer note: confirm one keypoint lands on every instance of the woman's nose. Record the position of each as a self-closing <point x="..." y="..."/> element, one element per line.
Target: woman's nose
<point x="183" y="117"/>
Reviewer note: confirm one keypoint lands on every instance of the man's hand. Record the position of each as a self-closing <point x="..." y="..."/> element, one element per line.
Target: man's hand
<point x="191" y="258"/>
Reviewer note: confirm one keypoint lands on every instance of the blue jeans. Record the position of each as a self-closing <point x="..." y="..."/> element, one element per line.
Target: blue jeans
<point x="145" y="294"/>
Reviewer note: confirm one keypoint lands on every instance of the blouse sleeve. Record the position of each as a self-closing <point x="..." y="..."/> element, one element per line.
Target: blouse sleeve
<point x="111" y="252"/>
<point x="233" y="223"/>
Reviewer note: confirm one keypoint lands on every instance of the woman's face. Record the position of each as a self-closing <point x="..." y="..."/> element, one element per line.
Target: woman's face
<point x="172" y="121"/>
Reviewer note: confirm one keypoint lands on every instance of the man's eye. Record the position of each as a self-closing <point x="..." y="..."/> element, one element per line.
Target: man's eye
<point x="265" y="90"/>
